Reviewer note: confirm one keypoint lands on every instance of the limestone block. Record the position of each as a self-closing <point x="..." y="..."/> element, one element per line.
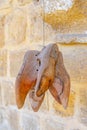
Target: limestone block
<point x="49" y="34"/>
<point x="23" y="2"/>
<point x="4" y="125"/>
<point x="82" y="98"/>
<point x="38" y="31"/>
<point x="51" y="122"/>
<point x="0" y="94"/>
<point x="72" y="19"/>
<point x="16" y="23"/>
<point x="8" y="93"/>
<point x="2" y="36"/>
<point x="75" y="60"/>
<point x="29" y="121"/>
<point x="35" y="24"/>
<point x="9" y="118"/>
<point x="4" y="3"/>
<point x="74" y="124"/>
<point x="13" y="118"/>
<point x="53" y="125"/>
<point x="16" y="60"/>
<point x="3" y="62"/>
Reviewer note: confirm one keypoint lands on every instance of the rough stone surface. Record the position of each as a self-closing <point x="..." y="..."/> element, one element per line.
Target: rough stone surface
<point x="38" y="31"/>
<point x="16" y="23"/>
<point x="9" y="118"/>
<point x="14" y="118"/>
<point x="53" y="5"/>
<point x="3" y="62"/>
<point x="30" y="121"/>
<point x="23" y="2"/>
<point x="73" y="20"/>
<point x="75" y="60"/>
<point x="4" y="125"/>
<point x="73" y="124"/>
<point x="0" y="94"/>
<point x="4" y="3"/>
<point x="83" y="104"/>
<point x="52" y="124"/>
<point x="2" y="36"/>
<point x="35" y="24"/>
<point x="16" y="60"/>
<point x="8" y="93"/>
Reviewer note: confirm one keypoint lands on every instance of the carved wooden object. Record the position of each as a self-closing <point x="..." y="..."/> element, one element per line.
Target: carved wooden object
<point x="41" y="71"/>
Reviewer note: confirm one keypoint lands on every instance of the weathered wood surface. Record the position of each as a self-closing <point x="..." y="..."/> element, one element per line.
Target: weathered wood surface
<point x="42" y="71"/>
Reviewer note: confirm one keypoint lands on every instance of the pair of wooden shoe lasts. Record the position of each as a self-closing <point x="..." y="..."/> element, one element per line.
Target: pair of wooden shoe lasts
<point x="40" y="71"/>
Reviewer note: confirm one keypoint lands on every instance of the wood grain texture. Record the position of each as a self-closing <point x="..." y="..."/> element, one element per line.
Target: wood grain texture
<point x="41" y="71"/>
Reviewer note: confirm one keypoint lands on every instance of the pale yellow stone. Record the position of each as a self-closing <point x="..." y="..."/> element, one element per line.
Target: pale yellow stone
<point x="3" y="62"/>
<point x="16" y="23"/>
<point x="35" y="24"/>
<point x="0" y="94"/>
<point x="73" y="20"/>
<point x="5" y="3"/>
<point x="23" y="2"/>
<point x="8" y="93"/>
<point x="16" y="60"/>
<point x="82" y="103"/>
<point x="2" y="31"/>
<point x="38" y="31"/>
<point x="75" y="61"/>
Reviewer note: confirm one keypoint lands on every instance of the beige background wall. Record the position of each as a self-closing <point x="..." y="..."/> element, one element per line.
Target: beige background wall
<point x="27" y="24"/>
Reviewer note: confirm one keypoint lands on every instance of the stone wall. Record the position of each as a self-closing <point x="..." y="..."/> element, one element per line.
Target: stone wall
<point x="29" y="24"/>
